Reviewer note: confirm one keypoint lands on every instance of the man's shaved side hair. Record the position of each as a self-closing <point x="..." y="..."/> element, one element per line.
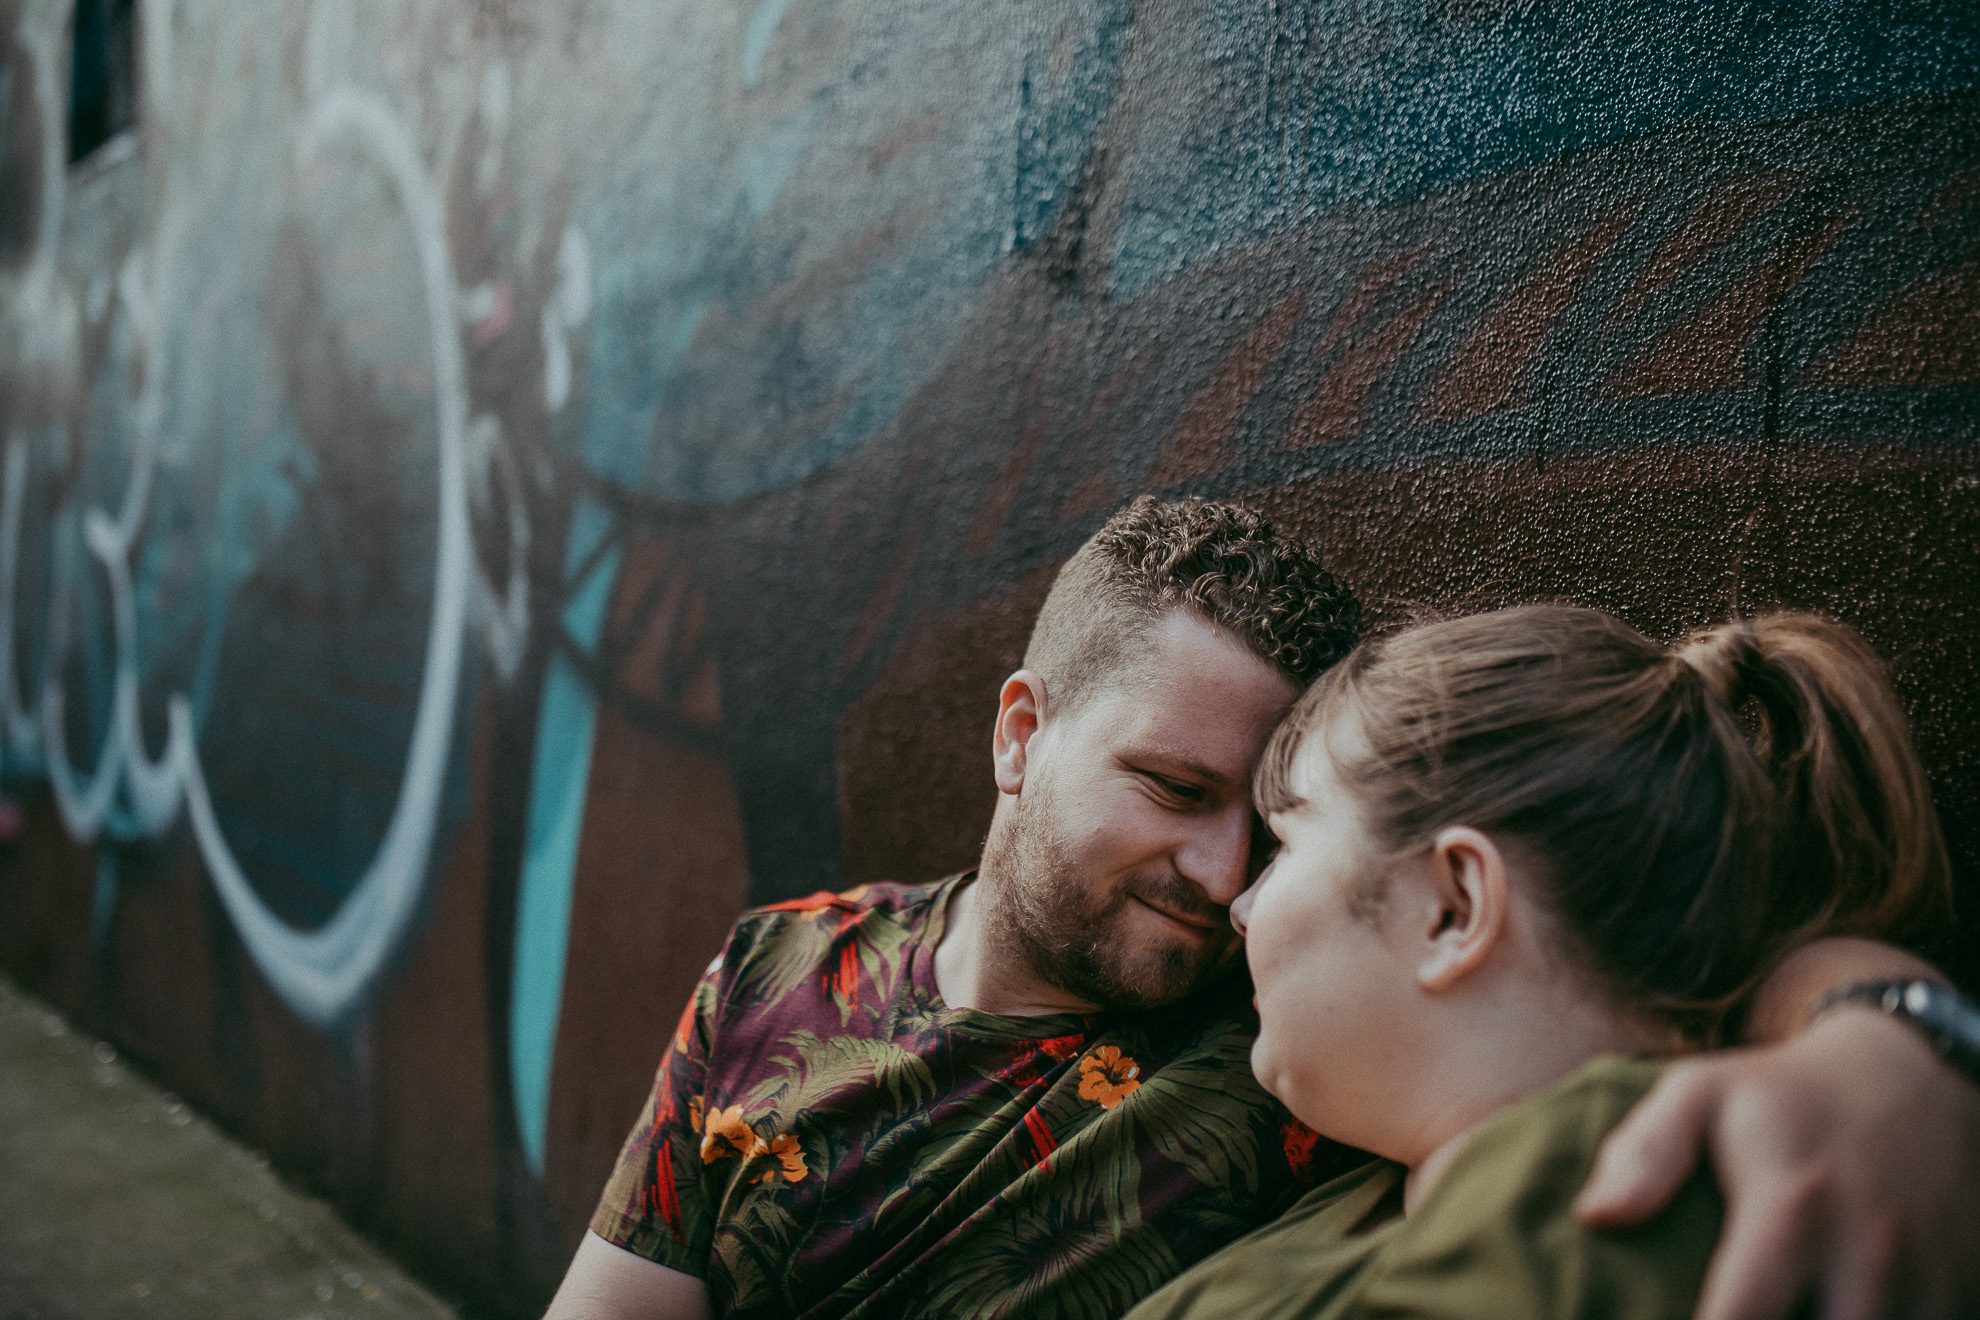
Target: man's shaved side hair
<point x="1221" y="562"/>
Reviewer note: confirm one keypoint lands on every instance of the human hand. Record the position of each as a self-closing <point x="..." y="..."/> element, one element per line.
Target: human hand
<point x="1850" y="1160"/>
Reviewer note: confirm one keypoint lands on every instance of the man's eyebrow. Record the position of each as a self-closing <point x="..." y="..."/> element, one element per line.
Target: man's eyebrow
<point x="1167" y="761"/>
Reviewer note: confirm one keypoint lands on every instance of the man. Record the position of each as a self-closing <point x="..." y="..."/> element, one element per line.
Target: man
<point x="1024" y="1092"/>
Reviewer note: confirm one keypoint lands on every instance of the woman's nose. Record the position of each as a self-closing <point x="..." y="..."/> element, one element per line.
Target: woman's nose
<point x="1241" y="908"/>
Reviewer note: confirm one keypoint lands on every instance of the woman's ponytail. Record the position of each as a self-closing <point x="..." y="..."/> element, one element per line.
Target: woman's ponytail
<point x="1857" y="843"/>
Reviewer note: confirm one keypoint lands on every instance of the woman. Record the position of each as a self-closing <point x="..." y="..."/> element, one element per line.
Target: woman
<point x="1524" y="855"/>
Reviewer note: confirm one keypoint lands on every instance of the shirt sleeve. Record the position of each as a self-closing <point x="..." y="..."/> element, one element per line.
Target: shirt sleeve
<point x="654" y="1204"/>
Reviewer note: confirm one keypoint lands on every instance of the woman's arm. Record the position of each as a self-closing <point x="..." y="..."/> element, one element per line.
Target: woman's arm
<point x="1849" y="1153"/>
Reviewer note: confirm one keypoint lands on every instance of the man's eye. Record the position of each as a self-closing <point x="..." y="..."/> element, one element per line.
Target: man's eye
<point x="1264" y="844"/>
<point x="1179" y="791"/>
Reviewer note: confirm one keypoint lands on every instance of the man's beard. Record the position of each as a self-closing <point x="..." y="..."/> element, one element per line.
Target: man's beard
<point x="1071" y="938"/>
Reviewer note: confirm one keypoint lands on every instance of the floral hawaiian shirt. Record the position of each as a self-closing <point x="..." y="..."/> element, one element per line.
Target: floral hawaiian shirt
<point x="826" y="1139"/>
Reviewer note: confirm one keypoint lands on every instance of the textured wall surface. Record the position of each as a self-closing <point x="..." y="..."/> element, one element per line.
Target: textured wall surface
<point x="492" y="486"/>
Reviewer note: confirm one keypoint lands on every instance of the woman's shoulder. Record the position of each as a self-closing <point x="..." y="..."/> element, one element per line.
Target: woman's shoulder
<point x="1498" y="1236"/>
<point x="1293" y="1266"/>
<point x="1531" y="1149"/>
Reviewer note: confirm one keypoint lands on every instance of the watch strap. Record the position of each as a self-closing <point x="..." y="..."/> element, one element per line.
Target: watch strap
<point x="1944" y="1016"/>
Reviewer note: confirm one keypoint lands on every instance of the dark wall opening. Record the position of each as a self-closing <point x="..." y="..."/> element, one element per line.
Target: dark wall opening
<point x="102" y="74"/>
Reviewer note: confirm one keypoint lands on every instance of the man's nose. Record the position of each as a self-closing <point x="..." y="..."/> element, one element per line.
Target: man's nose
<point x="1216" y="857"/>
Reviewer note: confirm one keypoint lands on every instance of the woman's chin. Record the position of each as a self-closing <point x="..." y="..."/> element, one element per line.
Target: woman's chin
<point x="1272" y="1076"/>
<point x="1307" y="1104"/>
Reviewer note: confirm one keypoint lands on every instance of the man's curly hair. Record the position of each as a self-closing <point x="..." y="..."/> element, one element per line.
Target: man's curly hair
<point x="1225" y="563"/>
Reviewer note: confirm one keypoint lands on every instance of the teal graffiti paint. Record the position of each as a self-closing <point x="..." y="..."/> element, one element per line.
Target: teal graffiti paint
<point x="103" y="903"/>
<point x="558" y="781"/>
<point x="756" y="40"/>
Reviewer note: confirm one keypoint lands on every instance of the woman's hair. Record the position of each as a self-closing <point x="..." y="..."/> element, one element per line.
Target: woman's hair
<point x="1696" y="810"/>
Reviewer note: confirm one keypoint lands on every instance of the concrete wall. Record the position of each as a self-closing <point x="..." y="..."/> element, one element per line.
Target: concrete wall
<point x="492" y="487"/>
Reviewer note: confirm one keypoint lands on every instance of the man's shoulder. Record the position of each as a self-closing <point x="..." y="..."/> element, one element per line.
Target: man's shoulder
<point x="800" y="931"/>
<point x="901" y="908"/>
<point x="905" y="902"/>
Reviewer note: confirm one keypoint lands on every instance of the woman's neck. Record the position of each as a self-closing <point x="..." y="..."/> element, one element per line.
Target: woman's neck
<point x="1511" y="1050"/>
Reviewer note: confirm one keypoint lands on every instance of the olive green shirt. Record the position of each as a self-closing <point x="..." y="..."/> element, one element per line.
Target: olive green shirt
<point x="1496" y="1237"/>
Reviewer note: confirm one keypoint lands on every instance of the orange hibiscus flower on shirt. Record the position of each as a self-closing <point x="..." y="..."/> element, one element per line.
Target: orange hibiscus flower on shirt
<point x="787" y="1154"/>
<point x="724" y="1133"/>
<point x="1108" y="1076"/>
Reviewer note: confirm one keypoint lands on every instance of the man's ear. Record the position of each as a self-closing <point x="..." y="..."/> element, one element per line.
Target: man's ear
<point x="1020" y="714"/>
<point x="1470" y="897"/>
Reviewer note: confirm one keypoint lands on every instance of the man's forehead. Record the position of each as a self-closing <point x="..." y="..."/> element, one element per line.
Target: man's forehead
<point x="1209" y="732"/>
<point x="1181" y="647"/>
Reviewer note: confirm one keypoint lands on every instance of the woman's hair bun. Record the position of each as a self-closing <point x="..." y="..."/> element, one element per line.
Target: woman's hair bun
<point x="1726" y="659"/>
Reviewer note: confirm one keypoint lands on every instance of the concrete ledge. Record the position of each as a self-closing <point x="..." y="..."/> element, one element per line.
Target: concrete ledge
<point x="117" y="1200"/>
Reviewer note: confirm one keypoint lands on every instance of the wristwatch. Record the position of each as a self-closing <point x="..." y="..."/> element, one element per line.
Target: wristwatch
<point x="1946" y="1018"/>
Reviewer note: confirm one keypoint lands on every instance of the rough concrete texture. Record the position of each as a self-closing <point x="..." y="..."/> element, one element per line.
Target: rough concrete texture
<point x="117" y="1200"/>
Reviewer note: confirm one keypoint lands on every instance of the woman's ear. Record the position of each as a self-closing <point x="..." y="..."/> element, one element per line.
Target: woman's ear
<point x="1470" y="898"/>
<point x="1020" y="714"/>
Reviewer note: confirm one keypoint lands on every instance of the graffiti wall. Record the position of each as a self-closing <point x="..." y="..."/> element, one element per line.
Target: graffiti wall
<point x="493" y="486"/>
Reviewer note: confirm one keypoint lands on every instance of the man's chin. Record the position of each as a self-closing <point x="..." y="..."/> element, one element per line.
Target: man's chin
<point x="1164" y="978"/>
